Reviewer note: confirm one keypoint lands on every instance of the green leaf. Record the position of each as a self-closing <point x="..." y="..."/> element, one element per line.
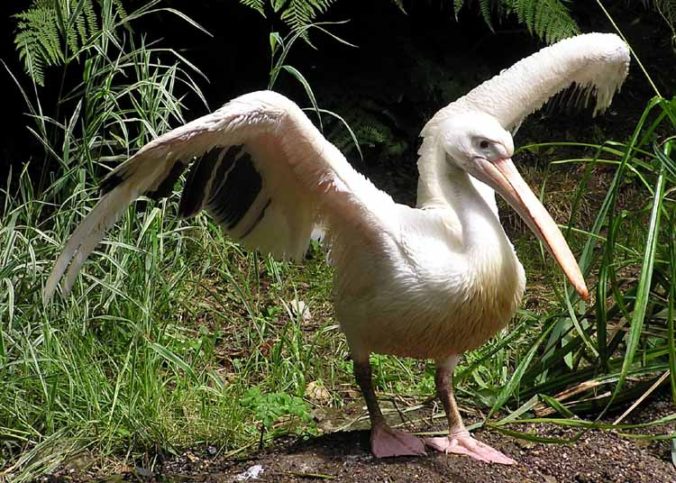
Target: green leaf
<point x="508" y="390"/>
<point x="277" y="5"/>
<point x="257" y="5"/>
<point x="643" y="293"/>
<point x="550" y="20"/>
<point x="173" y="359"/>
<point x="308" y="89"/>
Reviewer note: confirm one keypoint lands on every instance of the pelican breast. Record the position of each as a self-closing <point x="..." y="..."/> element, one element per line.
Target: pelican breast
<point x="423" y="294"/>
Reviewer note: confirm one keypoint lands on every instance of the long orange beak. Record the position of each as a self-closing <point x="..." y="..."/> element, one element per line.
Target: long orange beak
<point x="506" y="180"/>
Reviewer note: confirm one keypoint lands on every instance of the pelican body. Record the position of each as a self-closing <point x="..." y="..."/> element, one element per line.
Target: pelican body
<point x="429" y="282"/>
<point x="452" y="293"/>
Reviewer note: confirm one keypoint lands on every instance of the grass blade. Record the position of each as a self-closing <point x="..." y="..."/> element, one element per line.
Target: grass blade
<point x="644" y="285"/>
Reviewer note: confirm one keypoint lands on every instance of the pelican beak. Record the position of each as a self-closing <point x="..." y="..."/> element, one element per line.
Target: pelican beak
<point x="503" y="177"/>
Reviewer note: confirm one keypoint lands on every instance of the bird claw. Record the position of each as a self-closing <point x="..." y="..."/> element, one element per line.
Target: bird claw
<point x="464" y="444"/>
<point x="387" y="442"/>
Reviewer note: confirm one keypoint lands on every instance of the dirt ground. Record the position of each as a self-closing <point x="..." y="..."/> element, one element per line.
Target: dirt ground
<point x="597" y="456"/>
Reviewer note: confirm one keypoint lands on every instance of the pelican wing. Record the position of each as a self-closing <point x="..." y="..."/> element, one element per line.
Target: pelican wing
<point x="257" y="165"/>
<point x="596" y="64"/>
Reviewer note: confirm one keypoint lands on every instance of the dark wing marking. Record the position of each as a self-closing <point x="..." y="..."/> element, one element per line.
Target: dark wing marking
<point x="236" y="193"/>
<point x="194" y="191"/>
<point x="224" y="165"/>
<point x="258" y="219"/>
<point x="111" y="182"/>
<point x="165" y="187"/>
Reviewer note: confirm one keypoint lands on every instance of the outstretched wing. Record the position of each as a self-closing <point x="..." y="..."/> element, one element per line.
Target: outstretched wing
<point x="596" y="64"/>
<point x="257" y="165"/>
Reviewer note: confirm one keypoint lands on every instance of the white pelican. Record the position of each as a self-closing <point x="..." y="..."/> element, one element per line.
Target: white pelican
<point x="427" y="282"/>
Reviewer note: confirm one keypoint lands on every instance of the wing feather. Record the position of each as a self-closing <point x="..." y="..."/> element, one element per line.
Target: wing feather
<point x="259" y="167"/>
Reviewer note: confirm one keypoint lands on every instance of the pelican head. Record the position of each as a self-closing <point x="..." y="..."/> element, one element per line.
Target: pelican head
<point x="474" y="136"/>
<point x="476" y="143"/>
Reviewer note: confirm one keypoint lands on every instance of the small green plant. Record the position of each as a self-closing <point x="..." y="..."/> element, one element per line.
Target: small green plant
<point x="280" y="47"/>
<point x="269" y="408"/>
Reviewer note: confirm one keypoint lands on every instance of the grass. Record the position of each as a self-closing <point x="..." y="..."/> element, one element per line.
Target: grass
<point x="597" y="346"/>
<point x="161" y="339"/>
<point x="173" y="337"/>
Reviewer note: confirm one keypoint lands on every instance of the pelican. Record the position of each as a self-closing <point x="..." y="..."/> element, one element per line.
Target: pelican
<point x="429" y="282"/>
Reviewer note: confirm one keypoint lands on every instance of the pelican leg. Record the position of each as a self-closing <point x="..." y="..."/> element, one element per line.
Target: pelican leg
<point x="459" y="441"/>
<point x="385" y="441"/>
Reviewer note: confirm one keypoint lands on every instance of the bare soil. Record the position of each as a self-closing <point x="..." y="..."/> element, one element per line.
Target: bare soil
<point x="595" y="456"/>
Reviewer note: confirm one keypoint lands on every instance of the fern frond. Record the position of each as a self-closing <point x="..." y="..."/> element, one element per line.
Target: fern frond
<point x="297" y="14"/>
<point x="486" y="9"/>
<point x="38" y="41"/>
<point x="257" y="5"/>
<point x="87" y="22"/>
<point x="51" y="31"/>
<point x="277" y="5"/>
<point x="300" y="13"/>
<point x="549" y="20"/>
<point x="457" y="6"/>
<point x="118" y="8"/>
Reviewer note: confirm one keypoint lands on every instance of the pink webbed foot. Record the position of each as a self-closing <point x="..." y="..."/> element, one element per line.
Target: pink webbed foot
<point x="386" y="442"/>
<point x="463" y="443"/>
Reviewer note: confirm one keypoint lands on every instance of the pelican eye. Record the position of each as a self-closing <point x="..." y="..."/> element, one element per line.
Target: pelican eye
<point x="484" y="144"/>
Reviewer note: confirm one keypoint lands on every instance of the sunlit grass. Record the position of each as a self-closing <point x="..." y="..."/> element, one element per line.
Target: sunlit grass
<point x="161" y="337"/>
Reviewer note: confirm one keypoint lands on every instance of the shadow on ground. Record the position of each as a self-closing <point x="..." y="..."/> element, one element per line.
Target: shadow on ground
<point x="595" y="456"/>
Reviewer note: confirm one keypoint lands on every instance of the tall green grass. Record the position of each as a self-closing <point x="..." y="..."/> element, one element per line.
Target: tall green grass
<point x="590" y="359"/>
<point x="172" y="336"/>
<point x="158" y="345"/>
